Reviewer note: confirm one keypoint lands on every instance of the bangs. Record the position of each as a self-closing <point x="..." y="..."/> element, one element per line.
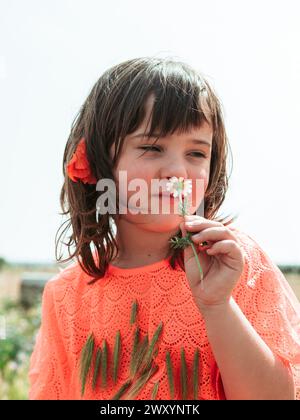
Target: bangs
<point x="179" y="105"/>
<point x="181" y="100"/>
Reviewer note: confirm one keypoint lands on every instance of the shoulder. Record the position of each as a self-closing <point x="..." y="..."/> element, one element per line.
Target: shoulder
<point x="259" y="268"/>
<point x="262" y="283"/>
<point x="69" y="281"/>
<point x="245" y="240"/>
<point x="254" y="253"/>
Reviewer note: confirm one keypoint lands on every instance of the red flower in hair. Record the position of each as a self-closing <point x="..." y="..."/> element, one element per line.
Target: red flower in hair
<point x="78" y="168"/>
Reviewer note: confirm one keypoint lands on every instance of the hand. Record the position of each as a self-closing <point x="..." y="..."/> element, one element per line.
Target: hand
<point x="222" y="261"/>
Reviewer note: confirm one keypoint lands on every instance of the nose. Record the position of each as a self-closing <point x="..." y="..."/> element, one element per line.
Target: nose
<point x="173" y="167"/>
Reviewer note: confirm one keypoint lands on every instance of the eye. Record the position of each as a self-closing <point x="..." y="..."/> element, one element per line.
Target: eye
<point x="198" y="154"/>
<point x="150" y="148"/>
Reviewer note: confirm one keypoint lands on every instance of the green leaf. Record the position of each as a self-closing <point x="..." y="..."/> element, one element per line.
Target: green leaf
<point x="116" y="356"/>
<point x="97" y="367"/>
<point x="195" y="374"/>
<point x="104" y="364"/>
<point x="85" y="360"/>
<point x="170" y="374"/>
<point x="177" y="242"/>
<point x="183" y="375"/>
<point x="134" y="309"/>
<point x="155" y="390"/>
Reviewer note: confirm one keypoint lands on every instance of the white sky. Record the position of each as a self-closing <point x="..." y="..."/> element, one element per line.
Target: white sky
<point x="51" y="54"/>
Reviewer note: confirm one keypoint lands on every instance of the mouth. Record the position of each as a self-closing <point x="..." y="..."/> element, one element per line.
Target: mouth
<point x="165" y="194"/>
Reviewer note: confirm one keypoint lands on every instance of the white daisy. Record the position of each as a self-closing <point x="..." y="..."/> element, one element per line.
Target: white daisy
<point x="179" y="186"/>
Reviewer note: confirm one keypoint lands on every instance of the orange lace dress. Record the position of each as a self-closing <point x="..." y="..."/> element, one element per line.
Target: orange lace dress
<point x="72" y="309"/>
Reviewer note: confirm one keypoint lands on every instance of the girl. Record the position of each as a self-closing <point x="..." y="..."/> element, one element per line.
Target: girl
<point x="133" y="318"/>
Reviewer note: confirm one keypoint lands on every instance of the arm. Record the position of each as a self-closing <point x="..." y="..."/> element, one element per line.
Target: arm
<point x="48" y="372"/>
<point x="258" y="354"/>
<point x="248" y="367"/>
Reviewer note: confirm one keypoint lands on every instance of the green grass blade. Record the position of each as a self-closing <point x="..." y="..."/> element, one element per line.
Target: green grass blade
<point x="195" y="374"/>
<point x="140" y="355"/>
<point x="183" y="375"/>
<point x="104" y="364"/>
<point x="97" y="368"/>
<point x="134" y="350"/>
<point x="149" y="354"/>
<point x="155" y="339"/>
<point x="155" y="390"/>
<point x="116" y="356"/>
<point x="134" y="309"/>
<point x="146" y="366"/>
<point x="122" y="390"/>
<point x="85" y="360"/>
<point x="140" y="382"/>
<point x="170" y="374"/>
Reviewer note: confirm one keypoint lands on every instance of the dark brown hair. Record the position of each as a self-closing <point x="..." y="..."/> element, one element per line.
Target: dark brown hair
<point x="114" y="108"/>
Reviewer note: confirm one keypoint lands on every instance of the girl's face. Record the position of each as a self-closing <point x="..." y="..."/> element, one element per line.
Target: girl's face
<point x="177" y="155"/>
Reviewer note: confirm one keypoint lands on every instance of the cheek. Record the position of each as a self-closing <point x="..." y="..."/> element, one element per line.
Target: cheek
<point x="199" y="186"/>
<point x="135" y="171"/>
<point x="205" y="177"/>
<point x="206" y="182"/>
<point x="131" y="180"/>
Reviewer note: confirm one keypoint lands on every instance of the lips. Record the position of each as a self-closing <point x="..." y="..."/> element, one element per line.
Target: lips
<point x="166" y="194"/>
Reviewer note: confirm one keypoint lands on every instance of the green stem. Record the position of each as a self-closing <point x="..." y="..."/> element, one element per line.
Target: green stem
<point x="198" y="263"/>
<point x="187" y="239"/>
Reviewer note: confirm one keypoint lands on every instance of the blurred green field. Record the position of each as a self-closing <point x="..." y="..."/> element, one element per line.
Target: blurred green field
<point x="20" y="326"/>
<point x="294" y="282"/>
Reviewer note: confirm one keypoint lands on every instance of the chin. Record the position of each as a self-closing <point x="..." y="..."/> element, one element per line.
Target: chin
<point x="162" y="222"/>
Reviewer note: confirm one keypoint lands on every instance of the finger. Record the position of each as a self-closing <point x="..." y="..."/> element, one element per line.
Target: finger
<point x="195" y="217"/>
<point x="193" y="223"/>
<point x="189" y="250"/>
<point x="227" y="246"/>
<point x="197" y="226"/>
<point x="183" y="230"/>
<point x="213" y="234"/>
<point x="191" y="217"/>
<point x="202" y="246"/>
